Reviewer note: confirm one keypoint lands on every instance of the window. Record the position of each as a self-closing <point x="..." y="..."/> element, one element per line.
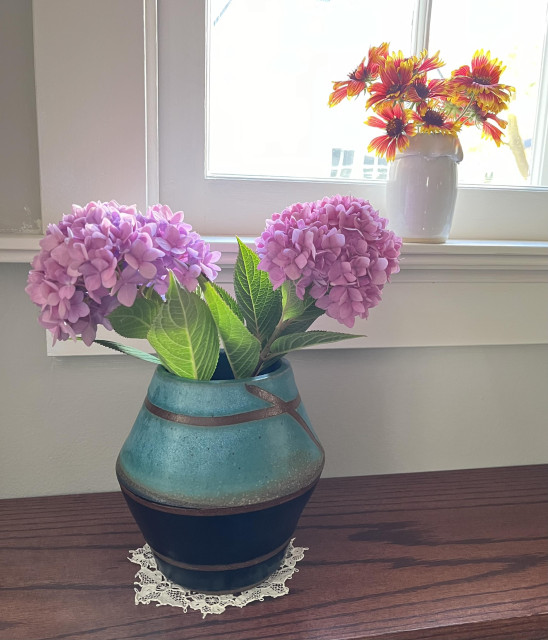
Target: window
<point x="342" y="161"/>
<point x="515" y="33"/>
<point x="270" y="66"/>
<point x="374" y="168"/>
<point x="229" y="202"/>
<point x="267" y="113"/>
<point x="101" y="149"/>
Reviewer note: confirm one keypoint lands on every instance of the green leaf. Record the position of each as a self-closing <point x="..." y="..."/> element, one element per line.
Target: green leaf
<point x="130" y="351"/>
<point x="241" y="347"/>
<point x="297" y="314"/>
<point x="184" y="334"/>
<point x="300" y="324"/>
<point x="292" y="305"/>
<point x="260" y="304"/>
<point x="294" y="341"/>
<point x="229" y="300"/>
<point x="135" y="321"/>
<point x="268" y="363"/>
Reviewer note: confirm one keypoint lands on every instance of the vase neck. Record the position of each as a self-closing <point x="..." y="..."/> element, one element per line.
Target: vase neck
<point x="433" y="145"/>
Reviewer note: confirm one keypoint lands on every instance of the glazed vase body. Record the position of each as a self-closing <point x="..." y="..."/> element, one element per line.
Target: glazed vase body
<point x="422" y="188"/>
<point x="216" y="474"/>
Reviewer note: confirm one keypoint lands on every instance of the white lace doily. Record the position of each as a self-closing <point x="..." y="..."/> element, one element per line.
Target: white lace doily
<point x="153" y="586"/>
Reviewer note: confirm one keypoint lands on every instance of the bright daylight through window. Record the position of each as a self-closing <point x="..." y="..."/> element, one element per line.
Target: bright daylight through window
<point x="271" y="67"/>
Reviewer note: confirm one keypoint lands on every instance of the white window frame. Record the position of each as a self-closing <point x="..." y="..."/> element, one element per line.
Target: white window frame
<point x="479" y="288"/>
<point x="482" y="212"/>
<point x="539" y="164"/>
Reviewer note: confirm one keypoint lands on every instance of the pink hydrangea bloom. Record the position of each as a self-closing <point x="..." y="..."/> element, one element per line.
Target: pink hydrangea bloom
<point x="100" y="255"/>
<point x="338" y="249"/>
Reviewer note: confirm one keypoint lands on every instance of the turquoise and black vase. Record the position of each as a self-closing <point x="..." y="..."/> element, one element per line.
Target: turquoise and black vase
<point x="216" y="474"/>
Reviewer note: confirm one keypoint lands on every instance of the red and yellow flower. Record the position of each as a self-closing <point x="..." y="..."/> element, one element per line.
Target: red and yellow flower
<point x="431" y="119"/>
<point x="395" y="77"/>
<point x="422" y="90"/>
<point x="490" y="124"/>
<point x="398" y="124"/>
<point x="423" y="63"/>
<point x="481" y="80"/>
<point x="490" y="130"/>
<point x="377" y="55"/>
<point x="456" y="107"/>
<point x="406" y="102"/>
<point x="355" y="84"/>
<point x="362" y="75"/>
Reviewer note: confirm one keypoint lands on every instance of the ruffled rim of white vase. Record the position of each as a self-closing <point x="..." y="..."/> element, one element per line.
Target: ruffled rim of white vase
<point x="433" y="145"/>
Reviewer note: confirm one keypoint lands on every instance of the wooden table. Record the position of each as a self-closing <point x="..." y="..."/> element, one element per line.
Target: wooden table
<point x="458" y="555"/>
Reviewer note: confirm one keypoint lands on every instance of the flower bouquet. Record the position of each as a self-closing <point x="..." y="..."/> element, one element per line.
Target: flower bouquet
<point x="151" y="276"/>
<point x="222" y="432"/>
<point x="406" y="102"/>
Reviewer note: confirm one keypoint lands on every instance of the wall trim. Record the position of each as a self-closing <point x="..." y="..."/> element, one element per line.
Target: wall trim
<point x="455" y="294"/>
<point x="469" y="261"/>
<point x="455" y="260"/>
<point x="462" y="292"/>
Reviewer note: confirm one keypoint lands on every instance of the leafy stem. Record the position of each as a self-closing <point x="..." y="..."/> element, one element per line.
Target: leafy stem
<point x="146" y="291"/>
<point x="265" y="351"/>
<point x="465" y="109"/>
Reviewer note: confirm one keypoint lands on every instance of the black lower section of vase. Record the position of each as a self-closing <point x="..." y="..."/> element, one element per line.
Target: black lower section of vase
<point x="223" y="581"/>
<point x="223" y="552"/>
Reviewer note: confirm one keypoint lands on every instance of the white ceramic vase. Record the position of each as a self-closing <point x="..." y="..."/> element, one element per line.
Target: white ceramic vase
<point x="422" y="188"/>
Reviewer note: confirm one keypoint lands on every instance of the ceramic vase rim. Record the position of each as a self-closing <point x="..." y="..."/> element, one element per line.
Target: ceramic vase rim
<point x="281" y="367"/>
<point x="433" y="145"/>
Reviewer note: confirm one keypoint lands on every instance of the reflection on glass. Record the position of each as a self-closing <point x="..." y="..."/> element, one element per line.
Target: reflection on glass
<point x="270" y="67"/>
<point x="270" y="70"/>
<point x="514" y="33"/>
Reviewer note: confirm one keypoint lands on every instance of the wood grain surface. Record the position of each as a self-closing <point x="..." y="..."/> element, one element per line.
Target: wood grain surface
<point x="458" y="555"/>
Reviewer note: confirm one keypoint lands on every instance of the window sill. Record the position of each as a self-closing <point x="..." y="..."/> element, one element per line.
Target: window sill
<point x="18" y="247"/>
<point x="529" y="259"/>
<point x="455" y="260"/>
<point x="465" y="260"/>
<point x="461" y="293"/>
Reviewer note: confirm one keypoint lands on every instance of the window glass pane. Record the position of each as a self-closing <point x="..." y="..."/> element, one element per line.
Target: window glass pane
<point x="514" y="33"/>
<point x="269" y="78"/>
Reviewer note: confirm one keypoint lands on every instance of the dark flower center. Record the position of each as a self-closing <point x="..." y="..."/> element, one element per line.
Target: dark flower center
<point x="355" y="76"/>
<point x="394" y="90"/>
<point x="422" y="90"/>
<point x="485" y="80"/>
<point x="395" y="127"/>
<point x="434" y="118"/>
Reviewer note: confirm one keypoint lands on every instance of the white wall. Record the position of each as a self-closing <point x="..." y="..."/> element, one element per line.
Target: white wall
<point x="19" y="182"/>
<point x="376" y="410"/>
<point x="385" y="410"/>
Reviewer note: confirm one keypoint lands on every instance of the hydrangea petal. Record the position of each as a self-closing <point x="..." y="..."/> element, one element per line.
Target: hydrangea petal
<point x="98" y="256"/>
<point x="339" y="249"/>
